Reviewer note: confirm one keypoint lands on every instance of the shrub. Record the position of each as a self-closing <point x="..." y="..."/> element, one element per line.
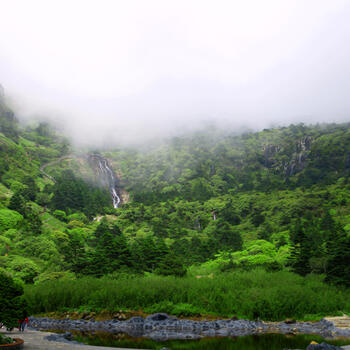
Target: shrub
<point x="60" y="215"/>
<point x="23" y="268"/>
<point x="9" y="219"/>
<point x="5" y="340"/>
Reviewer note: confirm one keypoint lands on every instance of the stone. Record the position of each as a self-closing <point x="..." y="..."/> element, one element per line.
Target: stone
<point x="163" y="326"/>
<point x="85" y="315"/>
<point x="289" y="320"/>
<point x="68" y="336"/>
<point x="322" y="346"/>
<point x="157" y="317"/>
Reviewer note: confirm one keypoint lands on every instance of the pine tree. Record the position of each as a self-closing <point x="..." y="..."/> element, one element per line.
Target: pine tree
<point x="227" y="237"/>
<point x="111" y="250"/>
<point x="338" y="264"/>
<point x="301" y="250"/>
<point x="33" y="223"/>
<point x="31" y="189"/>
<point x="75" y="254"/>
<point x="17" y="203"/>
<point x="171" y="264"/>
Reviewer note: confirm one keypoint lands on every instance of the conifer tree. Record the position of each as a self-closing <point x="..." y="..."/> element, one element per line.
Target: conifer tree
<point x="301" y="251"/>
<point x="17" y="203"/>
<point x="338" y="264"/>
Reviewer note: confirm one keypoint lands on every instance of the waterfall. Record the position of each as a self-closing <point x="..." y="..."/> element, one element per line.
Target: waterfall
<point x="108" y="177"/>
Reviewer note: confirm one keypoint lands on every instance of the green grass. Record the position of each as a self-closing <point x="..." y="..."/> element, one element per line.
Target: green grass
<point x="254" y="294"/>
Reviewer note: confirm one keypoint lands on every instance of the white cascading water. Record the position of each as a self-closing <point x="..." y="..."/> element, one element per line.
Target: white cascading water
<point x="109" y="177"/>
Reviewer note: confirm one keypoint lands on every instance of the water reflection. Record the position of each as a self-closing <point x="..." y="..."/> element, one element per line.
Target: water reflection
<point x="252" y="342"/>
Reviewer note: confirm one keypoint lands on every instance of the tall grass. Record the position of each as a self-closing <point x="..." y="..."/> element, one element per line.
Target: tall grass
<point x="253" y="294"/>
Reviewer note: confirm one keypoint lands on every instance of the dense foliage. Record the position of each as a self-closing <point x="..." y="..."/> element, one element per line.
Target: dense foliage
<point x="203" y="203"/>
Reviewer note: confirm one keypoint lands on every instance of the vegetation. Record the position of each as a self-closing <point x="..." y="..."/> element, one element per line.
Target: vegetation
<point x="253" y="294"/>
<point x="5" y="340"/>
<point x="206" y="203"/>
<point x="13" y="306"/>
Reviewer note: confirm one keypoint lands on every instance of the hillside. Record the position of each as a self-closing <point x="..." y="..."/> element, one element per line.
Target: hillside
<point x="204" y="202"/>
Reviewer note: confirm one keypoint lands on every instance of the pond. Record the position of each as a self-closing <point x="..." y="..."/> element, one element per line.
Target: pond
<point x="252" y="342"/>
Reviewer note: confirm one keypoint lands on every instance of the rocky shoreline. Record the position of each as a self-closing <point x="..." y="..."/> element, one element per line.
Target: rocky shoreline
<point x="162" y="327"/>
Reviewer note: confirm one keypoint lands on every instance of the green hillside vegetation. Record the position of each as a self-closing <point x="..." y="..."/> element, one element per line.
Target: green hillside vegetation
<point x="210" y="203"/>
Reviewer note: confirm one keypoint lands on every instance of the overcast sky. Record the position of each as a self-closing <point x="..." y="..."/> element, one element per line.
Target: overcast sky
<point x="133" y="69"/>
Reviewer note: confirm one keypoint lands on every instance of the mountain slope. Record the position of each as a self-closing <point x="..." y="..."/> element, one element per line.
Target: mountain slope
<point x="275" y="198"/>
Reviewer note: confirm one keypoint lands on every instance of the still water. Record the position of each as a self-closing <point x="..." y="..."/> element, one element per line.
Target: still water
<point x="252" y="342"/>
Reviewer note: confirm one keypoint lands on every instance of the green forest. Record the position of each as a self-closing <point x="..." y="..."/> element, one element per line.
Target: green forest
<point x="248" y="224"/>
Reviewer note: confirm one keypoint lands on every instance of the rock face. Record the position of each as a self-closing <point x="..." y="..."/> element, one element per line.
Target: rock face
<point x="161" y="326"/>
<point x="293" y="161"/>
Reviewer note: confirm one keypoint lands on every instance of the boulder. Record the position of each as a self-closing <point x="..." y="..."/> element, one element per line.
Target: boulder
<point x="158" y="317"/>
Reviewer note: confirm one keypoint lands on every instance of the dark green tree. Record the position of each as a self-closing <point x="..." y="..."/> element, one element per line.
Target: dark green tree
<point x="13" y="306"/>
<point x="33" y="222"/>
<point x="111" y="251"/>
<point x="31" y="189"/>
<point x="74" y="253"/>
<point x="171" y="264"/>
<point x="301" y="250"/>
<point x="145" y="254"/>
<point x="227" y="237"/>
<point x="72" y="194"/>
<point x="18" y="203"/>
<point x="338" y="266"/>
<point x="229" y="215"/>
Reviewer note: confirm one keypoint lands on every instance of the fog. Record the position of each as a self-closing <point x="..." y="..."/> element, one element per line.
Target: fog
<point x="129" y="71"/>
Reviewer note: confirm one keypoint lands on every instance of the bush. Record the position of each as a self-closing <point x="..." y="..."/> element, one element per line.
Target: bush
<point x="60" y="215"/>
<point x="5" y="340"/>
<point x="23" y="268"/>
<point x="9" y="219"/>
<point x="48" y="276"/>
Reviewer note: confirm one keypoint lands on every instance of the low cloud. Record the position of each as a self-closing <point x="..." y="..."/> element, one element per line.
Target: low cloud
<point x="113" y="72"/>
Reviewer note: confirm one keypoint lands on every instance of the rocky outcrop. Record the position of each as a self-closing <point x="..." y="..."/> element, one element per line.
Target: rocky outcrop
<point x="296" y="164"/>
<point x="296" y="157"/>
<point x="269" y="154"/>
<point x="164" y="327"/>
